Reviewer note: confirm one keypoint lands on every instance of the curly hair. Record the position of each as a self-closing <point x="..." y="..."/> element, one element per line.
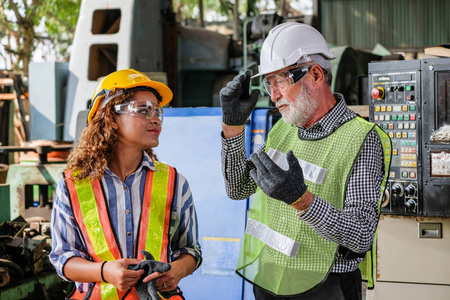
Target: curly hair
<point x="97" y="141"/>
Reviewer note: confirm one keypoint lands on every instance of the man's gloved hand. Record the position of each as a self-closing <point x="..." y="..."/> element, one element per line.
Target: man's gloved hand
<point x="147" y="290"/>
<point x="287" y="186"/>
<point x="237" y="104"/>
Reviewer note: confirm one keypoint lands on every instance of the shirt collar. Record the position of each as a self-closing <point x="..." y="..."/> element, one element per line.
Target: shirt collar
<point x="147" y="162"/>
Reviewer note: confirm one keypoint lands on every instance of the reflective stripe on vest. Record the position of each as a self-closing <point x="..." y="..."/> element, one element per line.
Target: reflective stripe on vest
<point x="161" y="185"/>
<point x="281" y="266"/>
<point x="91" y="214"/>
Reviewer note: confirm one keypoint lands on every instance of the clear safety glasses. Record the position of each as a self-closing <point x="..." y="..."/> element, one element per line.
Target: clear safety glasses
<point x="282" y="81"/>
<point x="142" y="109"/>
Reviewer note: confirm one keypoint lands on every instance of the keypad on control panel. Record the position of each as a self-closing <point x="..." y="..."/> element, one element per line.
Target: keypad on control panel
<point x="399" y="122"/>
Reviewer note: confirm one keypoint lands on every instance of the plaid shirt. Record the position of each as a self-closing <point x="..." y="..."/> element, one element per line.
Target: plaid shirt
<point x="353" y="227"/>
<point x="124" y="206"/>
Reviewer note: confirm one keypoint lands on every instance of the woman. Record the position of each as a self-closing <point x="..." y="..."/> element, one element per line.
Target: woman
<point x="116" y="199"/>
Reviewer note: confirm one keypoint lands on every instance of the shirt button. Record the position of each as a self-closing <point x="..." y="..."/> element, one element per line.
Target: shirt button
<point x="128" y="233"/>
<point x="127" y="211"/>
<point x="125" y="188"/>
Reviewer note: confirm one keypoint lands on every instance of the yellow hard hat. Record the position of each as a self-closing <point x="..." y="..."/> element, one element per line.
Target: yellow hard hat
<point x="125" y="79"/>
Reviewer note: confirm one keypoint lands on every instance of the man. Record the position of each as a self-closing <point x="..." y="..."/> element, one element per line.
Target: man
<point x="318" y="178"/>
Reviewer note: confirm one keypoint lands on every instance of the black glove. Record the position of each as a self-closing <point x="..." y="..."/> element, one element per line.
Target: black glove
<point x="147" y="290"/>
<point x="287" y="186"/>
<point x="237" y="104"/>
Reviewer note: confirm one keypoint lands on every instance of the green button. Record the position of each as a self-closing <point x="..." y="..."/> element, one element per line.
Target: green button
<point x="394" y="117"/>
<point x="405" y="174"/>
<point x="406" y="117"/>
<point x="400" y="117"/>
<point x="385" y="126"/>
<point x="412" y="108"/>
<point x="408" y="88"/>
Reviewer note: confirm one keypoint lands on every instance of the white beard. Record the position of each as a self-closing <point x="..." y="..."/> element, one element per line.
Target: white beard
<point x="299" y="111"/>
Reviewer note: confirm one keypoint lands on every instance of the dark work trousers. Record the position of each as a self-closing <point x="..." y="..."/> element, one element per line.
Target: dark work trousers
<point x="338" y="286"/>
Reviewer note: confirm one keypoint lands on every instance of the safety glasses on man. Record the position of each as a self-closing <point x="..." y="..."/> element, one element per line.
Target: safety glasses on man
<point x="284" y="80"/>
<point x="142" y="109"/>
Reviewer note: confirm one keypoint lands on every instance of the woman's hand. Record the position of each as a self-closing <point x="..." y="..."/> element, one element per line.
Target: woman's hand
<point x="168" y="281"/>
<point x="116" y="272"/>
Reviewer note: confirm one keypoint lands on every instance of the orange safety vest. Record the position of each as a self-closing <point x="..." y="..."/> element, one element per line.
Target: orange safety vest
<point x="91" y="214"/>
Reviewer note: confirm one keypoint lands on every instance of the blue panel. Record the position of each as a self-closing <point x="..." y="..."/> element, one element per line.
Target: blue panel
<point x="191" y="142"/>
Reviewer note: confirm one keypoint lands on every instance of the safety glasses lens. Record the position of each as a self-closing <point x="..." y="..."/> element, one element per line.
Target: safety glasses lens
<point x="142" y="109"/>
<point x="282" y="81"/>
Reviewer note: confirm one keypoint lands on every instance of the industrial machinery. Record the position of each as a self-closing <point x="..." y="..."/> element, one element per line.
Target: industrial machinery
<point x="410" y="100"/>
<point x="25" y="271"/>
<point x="25" y="236"/>
<point x="196" y="63"/>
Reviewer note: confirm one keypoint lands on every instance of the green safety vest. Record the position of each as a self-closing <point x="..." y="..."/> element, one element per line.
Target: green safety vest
<point x="281" y="253"/>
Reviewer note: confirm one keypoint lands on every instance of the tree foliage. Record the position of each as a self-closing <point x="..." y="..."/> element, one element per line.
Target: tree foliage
<point x="219" y="10"/>
<point x="25" y="24"/>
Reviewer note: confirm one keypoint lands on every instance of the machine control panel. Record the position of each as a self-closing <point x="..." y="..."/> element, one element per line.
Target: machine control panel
<point x="394" y="106"/>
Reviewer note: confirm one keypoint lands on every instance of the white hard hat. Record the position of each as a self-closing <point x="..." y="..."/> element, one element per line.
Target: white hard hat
<point x="290" y="43"/>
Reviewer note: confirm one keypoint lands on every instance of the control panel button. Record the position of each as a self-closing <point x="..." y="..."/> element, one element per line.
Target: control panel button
<point x="412" y="108"/>
<point x="412" y="117"/>
<point x="377" y="93"/>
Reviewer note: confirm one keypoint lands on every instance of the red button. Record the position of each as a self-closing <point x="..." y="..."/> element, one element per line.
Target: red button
<point x="375" y="93"/>
<point x="412" y="174"/>
<point x="412" y="117"/>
